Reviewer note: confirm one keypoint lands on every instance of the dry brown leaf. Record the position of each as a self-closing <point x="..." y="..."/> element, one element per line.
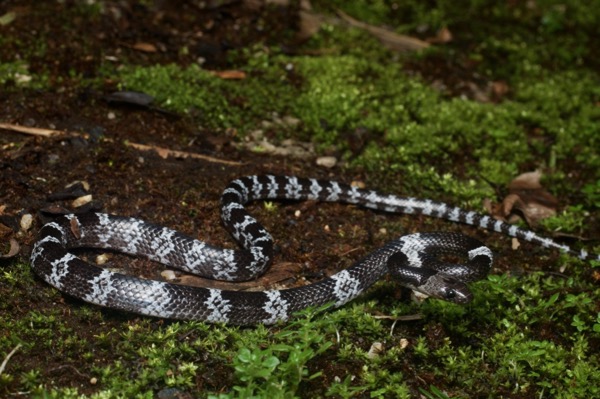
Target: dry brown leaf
<point x="499" y="88"/>
<point x="310" y="23"/>
<point x="75" y="228"/>
<point x="528" y="199"/>
<point x="230" y="74"/>
<point x="388" y="38"/>
<point x="443" y="36"/>
<point x="145" y="47"/>
<point x="13" y="250"/>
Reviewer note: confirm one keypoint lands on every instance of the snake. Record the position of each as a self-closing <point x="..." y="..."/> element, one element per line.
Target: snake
<point x="417" y="261"/>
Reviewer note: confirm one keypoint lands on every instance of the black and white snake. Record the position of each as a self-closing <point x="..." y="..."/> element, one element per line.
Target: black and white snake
<point x="413" y="259"/>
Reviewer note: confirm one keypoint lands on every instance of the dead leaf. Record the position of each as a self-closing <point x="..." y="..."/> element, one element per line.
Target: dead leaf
<point x="145" y="47"/>
<point x="443" y="36"/>
<point x="75" y="228"/>
<point x="230" y="74"/>
<point x="499" y="88"/>
<point x="527" y="199"/>
<point x="310" y="23"/>
<point x="388" y="38"/>
<point x="13" y="250"/>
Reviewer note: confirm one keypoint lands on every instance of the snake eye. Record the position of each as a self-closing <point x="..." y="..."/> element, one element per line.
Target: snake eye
<point x="461" y="296"/>
<point x="450" y="294"/>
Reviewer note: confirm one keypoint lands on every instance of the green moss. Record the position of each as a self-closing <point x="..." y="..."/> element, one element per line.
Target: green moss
<point x="18" y="74"/>
<point x="215" y="102"/>
<point x="408" y="122"/>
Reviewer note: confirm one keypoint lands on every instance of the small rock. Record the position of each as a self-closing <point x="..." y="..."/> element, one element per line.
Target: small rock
<point x="85" y="199"/>
<point x="102" y="259"/>
<point x="26" y="221"/>
<point x="327" y="161"/>
<point x="403" y="343"/>
<point x="375" y="350"/>
<point x="168" y="275"/>
<point x="264" y="146"/>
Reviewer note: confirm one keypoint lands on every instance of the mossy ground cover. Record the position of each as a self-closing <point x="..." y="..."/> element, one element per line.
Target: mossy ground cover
<point x="425" y="124"/>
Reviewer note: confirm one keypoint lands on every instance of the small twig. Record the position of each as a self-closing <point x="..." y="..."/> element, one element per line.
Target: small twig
<point x="165" y="153"/>
<point x="409" y="317"/>
<point x="7" y="358"/>
<point x="35" y="131"/>
<point x="68" y="366"/>
<point x="162" y="152"/>
<point x="390" y="39"/>
<point x="349" y="251"/>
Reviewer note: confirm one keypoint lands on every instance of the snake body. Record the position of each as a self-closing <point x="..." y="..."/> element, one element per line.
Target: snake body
<point x="413" y="259"/>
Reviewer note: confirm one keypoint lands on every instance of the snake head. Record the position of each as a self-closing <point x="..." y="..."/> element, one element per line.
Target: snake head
<point x="447" y="288"/>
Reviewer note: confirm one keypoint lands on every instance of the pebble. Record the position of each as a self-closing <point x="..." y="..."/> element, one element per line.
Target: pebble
<point x="83" y="183"/>
<point x="85" y="199"/>
<point x="102" y="259"/>
<point x="26" y="221"/>
<point x="327" y="161"/>
<point x="403" y="343"/>
<point x="168" y="275"/>
<point x="375" y="350"/>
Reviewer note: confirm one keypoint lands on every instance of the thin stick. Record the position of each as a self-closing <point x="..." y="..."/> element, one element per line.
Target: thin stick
<point x="35" y="131"/>
<point x="165" y="153"/>
<point x="7" y="358"/>
<point x="162" y="152"/>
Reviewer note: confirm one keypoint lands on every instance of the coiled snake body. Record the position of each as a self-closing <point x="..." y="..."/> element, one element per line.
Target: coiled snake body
<point x="412" y="259"/>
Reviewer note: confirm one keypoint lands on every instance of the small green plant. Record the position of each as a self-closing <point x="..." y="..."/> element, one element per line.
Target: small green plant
<point x="270" y="206"/>
<point x="434" y="393"/>
<point x="570" y="220"/>
<point x="277" y="370"/>
<point x="592" y="193"/>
